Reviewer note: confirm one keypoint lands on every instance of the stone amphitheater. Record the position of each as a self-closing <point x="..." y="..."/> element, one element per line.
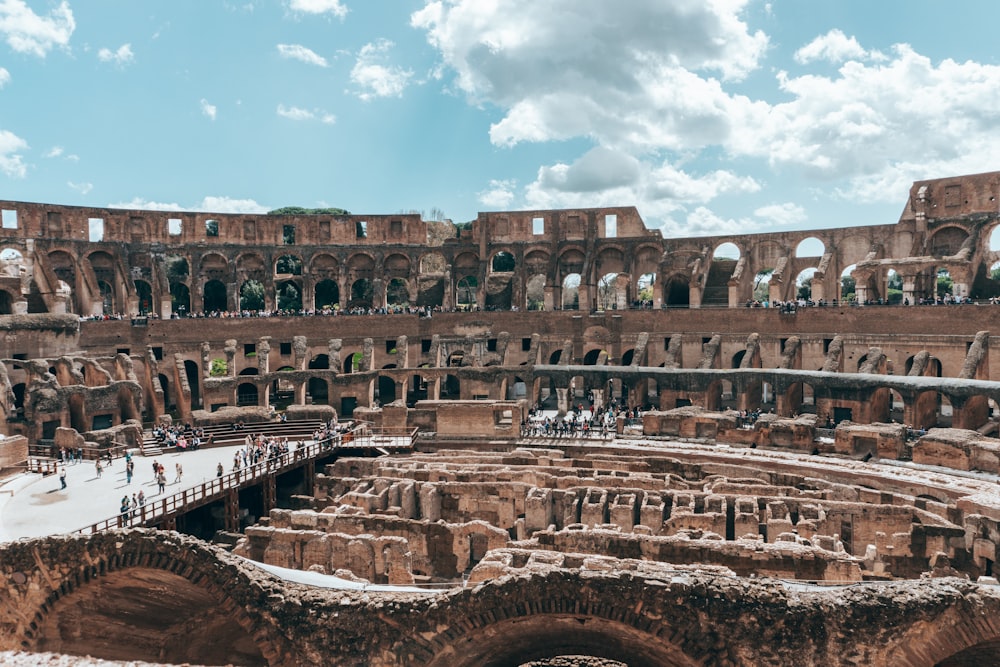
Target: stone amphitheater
<point x="767" y="449"/>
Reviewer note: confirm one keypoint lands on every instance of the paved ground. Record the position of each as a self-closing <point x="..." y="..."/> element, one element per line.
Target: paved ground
<point x="34" y="506"/>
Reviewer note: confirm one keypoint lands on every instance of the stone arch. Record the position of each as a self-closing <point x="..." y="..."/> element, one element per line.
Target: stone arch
<point x="803" y="284"/>
<point x="677" y="291"/>
<point x="727" y="250"/>
<point x="118" y="568"/>
<point x="503" y="261"/>
<point x="103" y="266"/>
<point x="396" y="265"/>
<point x="465" y="293"/>
<point x="508" y="632"/>
<point x="144" y="294"/>
<point x="288" y="295"/>
<point x="326" y="294"/>
<point x="251" y="264"/>
<point x="180" y="298"/>
<point x="214" y="266"/>
<point x="397" y="293"/>
<point x="947" y="241"/>
<point x="215" y="298"/>
<point x="324" y="266"/>
<point x="252" y="295"/>
<point x="362" y="294"/>
<point x="247" y="394"/>
<point x="64" y="267"/>
<point x="6" y="303"/>
<point x="534" y="292"/>
<point x="361" y="265"/>
<point x="288" y="264"/>
<point x="432" y="263"/>
<point x="571" y="292"/>
<point x="810" y="247"/>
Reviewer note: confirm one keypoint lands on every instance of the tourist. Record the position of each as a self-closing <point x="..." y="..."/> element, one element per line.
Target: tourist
<point x="98" y="467"/>
<point x="129" y="469"/>
<point x="134" y="506"/>
<point x="179" y="473"/>
<point x="161" y="480"/>
<point x="219" y="470"/>
<point x="62" y="477"/>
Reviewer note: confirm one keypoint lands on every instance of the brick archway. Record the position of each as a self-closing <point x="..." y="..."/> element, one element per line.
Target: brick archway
<point x="154" y="571"/>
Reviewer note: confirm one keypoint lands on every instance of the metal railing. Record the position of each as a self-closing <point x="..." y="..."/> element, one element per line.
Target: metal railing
<point x="155" y="511"/>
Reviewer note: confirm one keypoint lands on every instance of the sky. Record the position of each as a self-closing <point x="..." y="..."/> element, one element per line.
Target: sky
<point x="709" y="116"/>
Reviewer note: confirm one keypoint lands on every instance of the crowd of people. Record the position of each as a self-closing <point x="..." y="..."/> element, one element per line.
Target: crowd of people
<point x="578" y="422"/>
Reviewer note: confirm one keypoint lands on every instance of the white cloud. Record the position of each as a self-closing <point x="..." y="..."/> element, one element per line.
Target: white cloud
<point x="376" y="79"/>
<point x="208" y="204"/>
<point x="11" y="160"/>
<point x="298" y="113"/>
<point x="498" y="195"/>
<point x="208" y="109"/>
<point x="144" y="204"/>
<point x="302" y="54"/>
<point x="334" y="7"/>
<point x="27" y="32"/>
<point x="121" y="57"/>
<point x="782" y="214"/>
<point x="55" y="151"/>
<point x="82" y="188"/>
<point x="834" y="46"/>
<point x="230" y="205"/>
<point x="4" y="77"/>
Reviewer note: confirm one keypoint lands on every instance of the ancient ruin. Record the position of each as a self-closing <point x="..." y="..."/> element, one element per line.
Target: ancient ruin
<point x="799" y="462"/>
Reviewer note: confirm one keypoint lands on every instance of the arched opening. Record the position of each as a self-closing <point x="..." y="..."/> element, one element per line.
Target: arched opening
<point x="517" y="389"/>
<point x="627" y="357"/>
<point x="289" y="295"/>
<point x="107" y="297"/>
<point x="590" y="359"/>
<point x="644" y="290"/>
<point x="554" y="357"/>
<point x="282" y="389"/>
<point x="385" y="389"/>
<point x="144" y="295"/>
<point x="803" y="285"/>
<point x="180" y="298"/>
<point x="761" y="286"/>
<point x="215" y="297"/>
<point x="288" y="265"/>
<point x="252" y="295"/>
<point x="503" y="262"/>
<point x="327" y="294"/>
<point x="168" y="396"/>
<point x="612" y="291"/>
<point x="534" y="293"/>
<point x="465" y="293"/>
<point x="571" y="292"/>
<point x="727" y="250"/>
<point x="810" y="247"/>
<point x="894" y="287"/>
<point x="944" y="286"/>
<point x="246" y="394"/>
<point x="352" y="363"/>
<point x="122" y="605"/>
<point x="677" y="292"/>
<point x="318" y="389"/>
<point x="848" y="284"/>
<point x="362" y="294"/>
<point x="451" y="388"/>
<point x="397" y="293"/>
<point x="416" y="391"/>
<point x="194" y="382"/>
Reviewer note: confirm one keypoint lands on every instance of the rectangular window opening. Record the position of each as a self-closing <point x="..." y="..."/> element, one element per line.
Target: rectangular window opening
<point x="525" y="344"/>
<point x="175" y="226"/>
<point x="491" y="345"/>
<point x="538" y="226"/>
<point x="288" y="234"/>
<point x="390" y="347"/>
<point x="395" y="228"/>
<point x="425" y="345"/>
<point x="96" y="226"/>
<point x="666" y="344"/>
<point x="211" y="228"/>
<point x="286" y="349"/>
<point x="249" y="348"/>
<point x="158" y="353"/>
<point x="324" y="230"/>
<point x="611" y="225"/>
<point x="361" y="229"/>
<point x="9" y="219"/>
<point x="21" y="356"/>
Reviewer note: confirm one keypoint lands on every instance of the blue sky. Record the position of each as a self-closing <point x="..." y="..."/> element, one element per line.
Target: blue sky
<point x="711" y="117"/>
